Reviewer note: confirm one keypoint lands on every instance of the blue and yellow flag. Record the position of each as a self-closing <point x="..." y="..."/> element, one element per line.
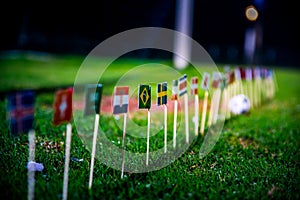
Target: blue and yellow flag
<point x="162" y="93"/>
<point x="144" y="96"/>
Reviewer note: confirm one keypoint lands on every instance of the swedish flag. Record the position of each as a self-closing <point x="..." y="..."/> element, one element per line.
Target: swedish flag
<point x="162" y="93"/>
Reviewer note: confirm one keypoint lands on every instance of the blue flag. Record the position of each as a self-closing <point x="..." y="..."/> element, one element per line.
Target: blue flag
<point x="20" y="108"/>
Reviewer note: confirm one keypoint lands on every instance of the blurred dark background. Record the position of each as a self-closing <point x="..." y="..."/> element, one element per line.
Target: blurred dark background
<point x="76" y="27"/>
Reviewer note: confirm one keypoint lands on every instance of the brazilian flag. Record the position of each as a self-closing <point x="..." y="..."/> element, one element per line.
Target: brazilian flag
<point x="144" y="96"/>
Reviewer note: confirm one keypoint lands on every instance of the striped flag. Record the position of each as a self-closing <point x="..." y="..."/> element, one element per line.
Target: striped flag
<point x="121" y="100"/>
<point x="63" y="106"/>
<point x="194" y="85"/>
<point x="182" y="85"/>
<point x="205" y="81"/>
<point x="162" y="93"/>
<point x="93" y="94"/>
<point x="144" y="96"/>
<point x="175" y="90"/>
<point x="20" y="107"/>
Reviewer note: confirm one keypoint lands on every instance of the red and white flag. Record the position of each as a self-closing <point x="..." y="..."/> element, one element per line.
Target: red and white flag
<point x="182" y="85"/>
<point x="175" y="90"/>
<point x="121" y="99"/>
<point x="205" y="81"/>
<point x="63" y="106"/>
<point x="194" y="85"/>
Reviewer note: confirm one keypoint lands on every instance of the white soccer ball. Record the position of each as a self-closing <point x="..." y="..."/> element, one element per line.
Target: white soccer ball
<point x="239" y="104"/>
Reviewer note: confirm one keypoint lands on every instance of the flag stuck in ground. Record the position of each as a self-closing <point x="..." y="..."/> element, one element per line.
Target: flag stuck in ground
<point x="144" y="96"/>
<point x="205" y="81"/>
<point x="120" y="104"/>
<point x="182" y="85"/>
<point x="93" y="94"/>
<point x="63" y="106"/>
<point x="174" y="90"/>
<point x="20" y="107"/>
<point x="194" y="85"/>
<point x="162" y="93"/>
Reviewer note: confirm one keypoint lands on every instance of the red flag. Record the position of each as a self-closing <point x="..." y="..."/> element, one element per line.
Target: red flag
<point x="63" y="106"/>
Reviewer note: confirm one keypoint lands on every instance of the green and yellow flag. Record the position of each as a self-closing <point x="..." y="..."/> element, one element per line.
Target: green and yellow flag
<point x="144" y="96"/>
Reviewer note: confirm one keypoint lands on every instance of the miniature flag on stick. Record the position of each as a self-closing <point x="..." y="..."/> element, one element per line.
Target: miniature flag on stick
<point x="162" y="100"/>
<point x="230" y="82"/>
<point x="214" y="107"/>
<point x="238" y="79"/>
<point x="224" y="97"/>
<point x="257" y="86"/>
<point x="182" y="85"/>
<point x="20" y="107"/>
<point x="248" y="77"/>
<point x="194" y="91"/>
<point x="63" y="113"/>
<point x="121" y="102"/>
<point x="175" y="99"/>
<point x="204" y="86"/>
<point x="270" y="86"/>
<point x="63" y="106"/>
<point x="93" y="94"/>
<point x="145" y="103"/>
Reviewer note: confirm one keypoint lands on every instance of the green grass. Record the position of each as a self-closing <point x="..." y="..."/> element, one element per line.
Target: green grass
<point x="256" y="157"/>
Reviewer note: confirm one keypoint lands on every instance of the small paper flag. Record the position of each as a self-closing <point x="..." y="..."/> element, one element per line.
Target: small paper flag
<point x="121" y="100"/>
<point x="175" y="90"/>
<point x="63" y="106"/>
<point x="264" y="72"/>
<point x="242" y="73"/>
<point x="182" y="85"/>
<point x="162" y="93"/>
<point x="256" y="73"/>
<point x="237" y="74"/>
<point x="194" y="85"/>
<point x="248" y="74"/>
<point x="205" y="81"/>
<point x="20" y="106"/>
<point x="229" y="77"/>
<point x="144" y="96"/>
<point x="93" y="94"/>
<point x="216" y="80"/>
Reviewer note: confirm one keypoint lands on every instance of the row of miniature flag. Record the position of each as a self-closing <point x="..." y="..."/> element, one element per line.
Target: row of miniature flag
<point x="20" y="105"/>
